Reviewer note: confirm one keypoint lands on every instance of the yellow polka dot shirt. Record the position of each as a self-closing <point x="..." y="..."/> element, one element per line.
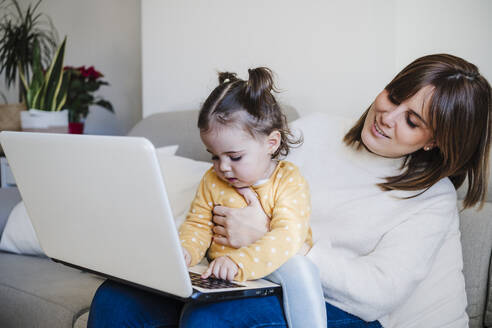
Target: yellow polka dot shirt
<point x="284" y="198"/>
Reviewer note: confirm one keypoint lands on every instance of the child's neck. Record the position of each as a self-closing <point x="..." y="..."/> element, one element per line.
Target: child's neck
<point x="268" y="172"/>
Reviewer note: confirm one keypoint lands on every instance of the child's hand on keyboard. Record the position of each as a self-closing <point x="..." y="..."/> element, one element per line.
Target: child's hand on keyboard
<point x="187" y="257"/>
<point x="222" y="267"/>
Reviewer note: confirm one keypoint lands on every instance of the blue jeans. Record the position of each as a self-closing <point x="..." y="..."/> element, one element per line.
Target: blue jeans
<point x="118" y="305"/>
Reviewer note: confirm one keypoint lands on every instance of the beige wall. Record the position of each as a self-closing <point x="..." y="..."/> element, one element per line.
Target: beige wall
<point x="105" y="34"/>
<point x="331" y="55"/>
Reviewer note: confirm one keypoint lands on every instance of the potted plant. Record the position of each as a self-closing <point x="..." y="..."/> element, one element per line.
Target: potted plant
<point x="82" y="84"/>
<point x="20" y="30"/>
<point x="46" y="94"/>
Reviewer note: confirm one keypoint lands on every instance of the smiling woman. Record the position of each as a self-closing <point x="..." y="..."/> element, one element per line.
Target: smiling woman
<point x="436" y="113"/>
<point x="394" y="129"/>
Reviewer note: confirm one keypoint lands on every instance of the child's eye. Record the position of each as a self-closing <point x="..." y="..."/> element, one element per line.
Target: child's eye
<point x="235" y="159"/>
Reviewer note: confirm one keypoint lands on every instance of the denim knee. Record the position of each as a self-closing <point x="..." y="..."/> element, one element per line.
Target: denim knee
<point x="119" y="305"/>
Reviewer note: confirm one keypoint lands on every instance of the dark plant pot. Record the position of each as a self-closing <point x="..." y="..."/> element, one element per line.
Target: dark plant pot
<point x="76" y="127"/>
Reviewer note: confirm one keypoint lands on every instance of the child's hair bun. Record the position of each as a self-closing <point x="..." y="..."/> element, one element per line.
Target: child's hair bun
<point x="258" y="90"/>
<point x="260" y="81"/>
<point x="225" y="77"/>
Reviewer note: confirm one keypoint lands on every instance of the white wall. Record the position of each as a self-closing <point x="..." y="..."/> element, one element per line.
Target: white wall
<point x="331" y="55"/>
<point x="462" y="28"/>
<point x="104" y="34"/>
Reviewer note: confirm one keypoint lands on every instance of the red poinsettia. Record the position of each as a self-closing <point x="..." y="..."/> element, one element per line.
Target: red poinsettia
<point x="82" y="83"/>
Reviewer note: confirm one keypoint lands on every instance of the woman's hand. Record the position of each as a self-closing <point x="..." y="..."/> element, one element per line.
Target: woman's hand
<point x="239" y="227"/>
<point x="222" y="268"/>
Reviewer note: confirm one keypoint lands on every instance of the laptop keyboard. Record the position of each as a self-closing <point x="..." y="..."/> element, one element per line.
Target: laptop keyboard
<point x="210" y="282"/>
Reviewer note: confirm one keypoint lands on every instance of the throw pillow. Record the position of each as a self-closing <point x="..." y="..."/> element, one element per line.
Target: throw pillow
<point x="19" y="236"/>
<point x="167" y="150"/>
<point x="181" y="176"/>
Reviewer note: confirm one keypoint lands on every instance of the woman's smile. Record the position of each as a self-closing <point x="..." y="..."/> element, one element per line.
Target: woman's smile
<point x="378" y="131"/>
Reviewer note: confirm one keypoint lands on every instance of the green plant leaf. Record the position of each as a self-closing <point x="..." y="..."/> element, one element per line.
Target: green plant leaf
<point x="105" y="104"/>
<point x="62" y="95"/>
<point x="53" y="79"/>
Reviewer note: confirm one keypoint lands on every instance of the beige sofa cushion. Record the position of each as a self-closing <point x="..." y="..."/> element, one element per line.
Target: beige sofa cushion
<point x="37" y="290"/>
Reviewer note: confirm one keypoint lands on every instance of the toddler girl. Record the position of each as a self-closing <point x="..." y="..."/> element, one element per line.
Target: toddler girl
<point x="245" y="131"/>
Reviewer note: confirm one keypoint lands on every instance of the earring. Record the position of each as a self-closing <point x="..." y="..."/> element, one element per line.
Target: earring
<point x="427" y="148"/>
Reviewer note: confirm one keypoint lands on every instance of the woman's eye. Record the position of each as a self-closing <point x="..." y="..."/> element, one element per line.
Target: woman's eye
<point x="392" y="99"/>
<point x="235" y="159"/>
<point x="410" y="123"/>
<point x="215" y="158"/>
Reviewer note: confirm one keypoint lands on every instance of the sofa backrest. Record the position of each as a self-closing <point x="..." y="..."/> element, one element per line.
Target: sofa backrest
<point x="180" y="128"/>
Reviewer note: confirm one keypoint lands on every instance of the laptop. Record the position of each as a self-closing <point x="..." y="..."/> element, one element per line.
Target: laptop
<point x="99" y="204"/>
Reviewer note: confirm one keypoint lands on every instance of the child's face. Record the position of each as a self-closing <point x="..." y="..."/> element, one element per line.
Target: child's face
<point x="238" y="158"/>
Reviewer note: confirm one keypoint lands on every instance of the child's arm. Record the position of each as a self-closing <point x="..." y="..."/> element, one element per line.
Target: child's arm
<point x="289" y="230"/>
<point x="196" y="231"/>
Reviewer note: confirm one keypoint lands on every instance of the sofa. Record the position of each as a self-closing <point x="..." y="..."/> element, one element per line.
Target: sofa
<point x="36" y="292"/>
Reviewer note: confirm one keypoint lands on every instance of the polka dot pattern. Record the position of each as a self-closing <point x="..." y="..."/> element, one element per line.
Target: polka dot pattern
<point x="285" y="198"/>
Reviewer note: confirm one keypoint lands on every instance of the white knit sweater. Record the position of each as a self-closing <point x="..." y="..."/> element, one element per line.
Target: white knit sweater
<point x="380" y="257"/>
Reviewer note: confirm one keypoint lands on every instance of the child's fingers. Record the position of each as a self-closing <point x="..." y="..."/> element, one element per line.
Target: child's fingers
<point x="249" y="195"/>
<point x="216" y="269"/>
<point x="224" y="271"/>
<point x="208" y="272"/>
<point x="187" y="257"/>
<point x="231" y="274"/>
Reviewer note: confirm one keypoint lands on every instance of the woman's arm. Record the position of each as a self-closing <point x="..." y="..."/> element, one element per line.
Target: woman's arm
<point x="373" y="285"/>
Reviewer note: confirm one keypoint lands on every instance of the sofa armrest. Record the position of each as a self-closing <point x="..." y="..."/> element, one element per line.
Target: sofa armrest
<point x="476" y="239"/>
<point x="9" y="197"/>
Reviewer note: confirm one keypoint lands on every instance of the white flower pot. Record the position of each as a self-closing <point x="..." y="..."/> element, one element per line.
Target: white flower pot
<point x="35" y="120"/>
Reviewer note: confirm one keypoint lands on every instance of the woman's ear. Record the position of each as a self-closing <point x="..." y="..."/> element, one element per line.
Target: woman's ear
<point x="273" y="141"/>
<point x="430" y="145"/>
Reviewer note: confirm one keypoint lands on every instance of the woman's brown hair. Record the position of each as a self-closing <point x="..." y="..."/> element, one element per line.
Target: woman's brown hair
<point x="461" y="122"/>
<point x="250" y="105"/>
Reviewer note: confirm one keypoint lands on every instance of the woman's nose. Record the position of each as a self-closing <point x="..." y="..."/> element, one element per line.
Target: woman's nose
<point x="390" y="117"/>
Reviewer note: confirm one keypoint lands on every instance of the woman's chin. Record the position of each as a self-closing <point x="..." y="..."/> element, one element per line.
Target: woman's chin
<point x="372" y="145"/>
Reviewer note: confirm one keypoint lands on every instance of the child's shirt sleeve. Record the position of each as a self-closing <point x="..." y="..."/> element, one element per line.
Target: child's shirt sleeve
<point x="289" y="229"/>
<point x="196" y="231"/>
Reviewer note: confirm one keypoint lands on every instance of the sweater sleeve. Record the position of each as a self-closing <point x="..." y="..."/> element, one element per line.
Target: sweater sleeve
<point x="288" y="231"/>
<point x="373" y="285"/>
<point x="196" y="231"/>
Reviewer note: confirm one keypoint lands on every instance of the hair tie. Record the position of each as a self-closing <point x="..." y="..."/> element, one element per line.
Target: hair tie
<point x="467" y="75"/>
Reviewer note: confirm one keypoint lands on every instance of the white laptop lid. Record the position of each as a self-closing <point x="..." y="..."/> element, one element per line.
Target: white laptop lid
<point x="78" y="188"/>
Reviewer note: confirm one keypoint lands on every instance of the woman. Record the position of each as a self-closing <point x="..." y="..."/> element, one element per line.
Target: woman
<point x="385" y="220"/>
